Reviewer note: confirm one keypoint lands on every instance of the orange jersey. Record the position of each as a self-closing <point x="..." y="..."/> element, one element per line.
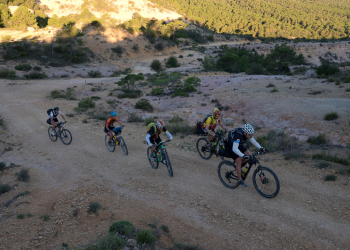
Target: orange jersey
<point x="110" y="121"/>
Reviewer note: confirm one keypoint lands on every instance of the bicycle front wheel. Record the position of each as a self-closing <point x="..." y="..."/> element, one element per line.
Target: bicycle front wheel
<point x="167" y="163"/>
<point x="52" y="137"/>
<point x="266" y="182"/>
<point x="152" y="160"/>
<point x="202" y="149"/>
<point x="123" y="145"/>
<point x="66" y="136"/>
<point x="110" y="145"/>
<point x="227" y="174"/>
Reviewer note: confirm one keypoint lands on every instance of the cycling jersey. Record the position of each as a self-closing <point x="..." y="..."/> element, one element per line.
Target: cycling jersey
<point x="110" y="121"/>
<point x="235" y="143"/>
<point x="54" y="115"/>
<point x="212" y="122"/>
<point x="153" y="134"/>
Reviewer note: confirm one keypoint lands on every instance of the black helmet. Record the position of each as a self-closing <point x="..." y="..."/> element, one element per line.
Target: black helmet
<point x="56" y="108"/>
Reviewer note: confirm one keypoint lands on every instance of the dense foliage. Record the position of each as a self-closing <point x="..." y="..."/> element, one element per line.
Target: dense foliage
<point x="268" y="18"/>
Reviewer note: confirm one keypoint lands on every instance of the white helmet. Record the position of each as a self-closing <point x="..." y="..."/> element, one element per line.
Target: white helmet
<point x="248" y="129"/>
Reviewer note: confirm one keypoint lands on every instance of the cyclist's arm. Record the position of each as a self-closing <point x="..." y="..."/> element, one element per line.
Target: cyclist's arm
<point x="235" y="149"/>
<point x="222" y="125"/>
<point x="169" y="135"/>
<point x="147" y="139"/>
<point x="208" y="131"/>
<point x="51" y="116"/>
<point x="254" y="142"/>
<point x="63" y="117"/>
<point x="120" y="123"/>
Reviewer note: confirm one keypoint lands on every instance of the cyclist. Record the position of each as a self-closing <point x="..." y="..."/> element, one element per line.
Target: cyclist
<point x="210" y="124"/>
<point x="234" y="146"/>
<point x="53" y="113"/>
<point x="109" y="127"/>
<point x="153" y="132"/>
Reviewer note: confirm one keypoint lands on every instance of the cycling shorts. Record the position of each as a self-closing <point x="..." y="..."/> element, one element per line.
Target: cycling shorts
<point x="233" y="155"/>
<point x="54" y="119"/>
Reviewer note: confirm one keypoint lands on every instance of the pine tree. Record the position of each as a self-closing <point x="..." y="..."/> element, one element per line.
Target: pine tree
<point x="21" y="19"/>
<point x="4" y="15"/>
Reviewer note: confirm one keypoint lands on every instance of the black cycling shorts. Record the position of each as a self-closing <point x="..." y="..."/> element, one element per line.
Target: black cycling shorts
<point x="54" y="119"/>
<point x="233" y="155"/>
<point x="110" y="128"/>
<point x="155" y="140"/>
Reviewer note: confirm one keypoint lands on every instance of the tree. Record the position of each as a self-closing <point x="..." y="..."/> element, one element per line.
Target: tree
<point x="41" y="19"/>
<point x="156" y="65"/>
<point x="4" y="15"/>
<point x="21" y="19"/>
<point x="130" y="80"/>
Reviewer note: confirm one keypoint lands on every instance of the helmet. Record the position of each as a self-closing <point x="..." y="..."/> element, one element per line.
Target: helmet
<point x="217" y="112"/>
<point x="248" y="129"/>
<point x="56" y="108"/>
<point x="160" y="124"/>
<point x="113" y="113"/>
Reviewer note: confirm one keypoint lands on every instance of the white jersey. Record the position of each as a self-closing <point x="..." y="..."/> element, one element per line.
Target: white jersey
<point x="53" y="114"/>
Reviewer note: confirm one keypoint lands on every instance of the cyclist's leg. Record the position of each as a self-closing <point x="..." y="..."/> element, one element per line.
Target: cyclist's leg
<point x="153" y="141"/>
<point x="54" y="124"/>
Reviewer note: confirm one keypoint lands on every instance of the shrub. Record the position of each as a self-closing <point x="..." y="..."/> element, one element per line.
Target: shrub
<point x="180" y="127"/>
<point x="7" y="74"/>
<point x="327" y="69"/>
<point x="183" y="246"/>
<point x="20" y="216"/>
<point x="118" y="50"/>
<point x="100" y="116"/>
<point x="322" y="164"/>
<point x="165" y="229"/>
<point x="24" y="67"/>
<point x="2" y="166"/>
<point x="176" y="119"/>
<point x="128" y="93"/>
<point x="135" y="47"/>
<point x="144" y="105"/>
<point x="109" y="242"/>
<point x="95" y="74"/>
<point x="57" y="94"/>
<point x="157" y="91"/>
<point x="317" y="140"/>
<point x="123" y="228"/>
<point x="331" y="158"/>
<point x="331" y="79"/>
<point x="45" y="217"/>
<point x="93" y="207"/>
<point x="23" y="175"/>
<point x="133" y="117"/>
<point x="270" y="85"/>
<point x="149" y="120"/>
<point x="4" y="188"/>
<point x="274" y="90"/>
<point x="145" y="237"/>
<point x="35" y="75"/>
<point x="85" y="104"/>
<point x="331" y="116"/>
<point x="172" y="62"/>
<point x="181" y="56"/>
<point x="316" y="92"/>
<point x="156" y="65"/>
<point x="330" y="177"/>
<point x="159" y="46"/>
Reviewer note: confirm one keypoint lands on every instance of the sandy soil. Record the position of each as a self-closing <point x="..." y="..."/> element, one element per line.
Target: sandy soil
<point x="197" y="208"/>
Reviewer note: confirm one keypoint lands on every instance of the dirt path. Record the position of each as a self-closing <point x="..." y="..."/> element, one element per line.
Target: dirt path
<point x="197" y="208"/>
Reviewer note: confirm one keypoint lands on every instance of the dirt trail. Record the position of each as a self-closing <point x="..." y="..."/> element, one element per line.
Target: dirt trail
<point x="197" y="208"/>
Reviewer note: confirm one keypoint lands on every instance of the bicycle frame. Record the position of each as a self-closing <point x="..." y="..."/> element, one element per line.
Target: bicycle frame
<point x="252" y="161"/>
<point x="158" y="152"/>
<point x="218" y="136"/>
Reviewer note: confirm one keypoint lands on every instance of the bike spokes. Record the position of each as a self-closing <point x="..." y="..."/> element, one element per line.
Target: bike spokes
<point x="266" y="182"/>
<point x="227" y="174"/>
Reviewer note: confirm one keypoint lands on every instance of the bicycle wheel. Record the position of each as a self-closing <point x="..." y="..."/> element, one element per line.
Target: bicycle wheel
<point x="66" y="136"/>
<point x="123" y="145"/>
<point x="153" y="161"/>
<point x="219" y="142"/>
<point x="166" y="161"/>
<point x="111" y="146"/>
<point x="52" y="137"/>
<point x="266" y="182"/>
<point x="227" y="174"/>
<point x="203" y="151"/>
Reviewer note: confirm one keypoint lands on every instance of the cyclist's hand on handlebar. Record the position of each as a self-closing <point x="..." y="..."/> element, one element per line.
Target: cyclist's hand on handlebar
<point x="246" y="157"/>
<point x="263" y="150"/>
<point x="123" y="126"/>
<point x="212" y="133"/>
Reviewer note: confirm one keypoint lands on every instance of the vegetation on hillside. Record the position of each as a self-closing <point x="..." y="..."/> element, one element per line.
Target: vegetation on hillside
<point x="272" y="18"/>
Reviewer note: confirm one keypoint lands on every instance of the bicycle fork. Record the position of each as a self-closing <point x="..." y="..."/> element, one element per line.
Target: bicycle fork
<point x="263" y="178"/>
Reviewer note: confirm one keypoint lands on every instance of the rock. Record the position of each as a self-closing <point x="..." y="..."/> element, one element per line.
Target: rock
<point x="228" y="122"/>
<point x="31" y="29"/>
<point x="311" y="73"/>
<point x="132" y="242"/>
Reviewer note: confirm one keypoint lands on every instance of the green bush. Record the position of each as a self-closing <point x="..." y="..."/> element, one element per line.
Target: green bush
<point x="85" y="104"/>
<point x="93" y="207"/>
<point x="331" y="79"/>
<point x="176" y="119"/>
<point x="23" y="175"/>
<point x="133" y="117"/>
<point x="165" y="228"/>
<point x="20" y="216"/>
<point x="101" y="116"/>
<point x="135" y="47"/>
<point x="123" y="228"/>
<point x="109" y="242"/>
<point x="209" y="63"/>
<point x="57" y="94"/>
<point x="95" y="74"/>
<point x="331" y="158"/>
<point x="274" y="90"/>
<point x="129" y="93"/>
<point x="172" y="62"/>
<point x="2" y="166"/>
<point x="270" y="85"/>
<point x="317" y="140"/>
<point x="327" y="69"/>
<point x="149" y="120"/>
<point x="156" y="65"/>
<point x="4" y="188"/>
<point x="35" y="75"/>
<point x="145" y="237"/>
<point x="331" y="116"/>
<point x="157" y="91"/>
<point x="7" y="74"/>
<point x="180" y="127"/>
<point x="183" y="246"/>
<point x="118" y="50"/>
<point x="159" y="46"/>
<point x="45" y="217"/>
<point x="21" y="19"/>
<point x="24" y="67"/>
<point x="330" y="177"/>
<point x="144" y="104"/>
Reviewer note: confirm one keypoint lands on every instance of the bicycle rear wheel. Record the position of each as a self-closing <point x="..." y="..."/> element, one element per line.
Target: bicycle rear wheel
<point x="153" y="161"/>
<point x="203" y="151"/>
<point x="123" y="145"/>
<point x="110" y="146"/>
<point x="219" y="142"/>
<point x="52" y="137"/>
<point x="227" y="174"/>
<point x="66" y="136"/>
<point x="167" y="163"/>
<point x="266" y="182"/>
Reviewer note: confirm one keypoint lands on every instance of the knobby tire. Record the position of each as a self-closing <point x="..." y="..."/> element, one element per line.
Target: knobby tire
<point x="110" y="148"/>
<point x="52" y="137"/>
<point x="268" y="185"/>
<point x="66" y="136"/>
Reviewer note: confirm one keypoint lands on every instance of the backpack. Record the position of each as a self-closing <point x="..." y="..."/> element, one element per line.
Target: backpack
<point x="49" y="111"/>
<point x="199" y="127"/>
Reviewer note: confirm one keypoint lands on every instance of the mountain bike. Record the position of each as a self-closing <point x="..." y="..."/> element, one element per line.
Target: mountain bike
<point x="61" y="132"/>
<point x="264" y="179"/>
<point x="161" y="155"/>
<point x="206" y="152"/>
<point x="117" y="140"/>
